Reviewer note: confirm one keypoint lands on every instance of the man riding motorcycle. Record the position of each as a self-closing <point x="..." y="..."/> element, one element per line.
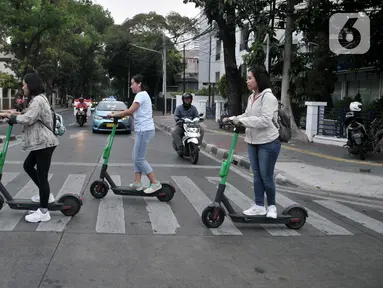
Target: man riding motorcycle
<point x="186" y="110"/>
<point x="83" y="105"/>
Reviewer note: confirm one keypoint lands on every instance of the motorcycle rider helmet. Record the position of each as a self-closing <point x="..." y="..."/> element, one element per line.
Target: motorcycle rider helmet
<point x="81" y="99"/>
<point x="355" y="106"/>
<point x="187" y="95"/>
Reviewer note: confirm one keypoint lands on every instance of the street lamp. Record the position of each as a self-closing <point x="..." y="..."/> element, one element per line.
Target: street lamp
<point x="163" y="53"/>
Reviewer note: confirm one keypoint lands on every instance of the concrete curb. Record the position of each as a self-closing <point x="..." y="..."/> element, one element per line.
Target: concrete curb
<point x="238" y="160"/>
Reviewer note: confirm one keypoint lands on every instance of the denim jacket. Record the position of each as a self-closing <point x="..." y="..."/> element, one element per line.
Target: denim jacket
<point x="36" y="135"/>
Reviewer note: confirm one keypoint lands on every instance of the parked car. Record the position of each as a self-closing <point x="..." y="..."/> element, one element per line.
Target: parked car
<point x="102" y="123"/>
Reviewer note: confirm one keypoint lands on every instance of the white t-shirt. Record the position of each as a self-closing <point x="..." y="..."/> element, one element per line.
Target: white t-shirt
<point x="143" y="117"/>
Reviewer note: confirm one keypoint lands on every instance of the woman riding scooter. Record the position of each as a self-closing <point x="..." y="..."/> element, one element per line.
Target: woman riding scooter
<point x="145" y="130"/>
<point x="262" y="136"/>
<point x="39" y="140"/>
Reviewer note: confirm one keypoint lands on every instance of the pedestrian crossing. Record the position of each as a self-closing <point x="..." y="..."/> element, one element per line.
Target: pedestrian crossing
<point x="115" y="214"/>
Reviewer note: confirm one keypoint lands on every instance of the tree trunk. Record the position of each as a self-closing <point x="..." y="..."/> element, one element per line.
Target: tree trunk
<point x="285" y="93"/>
<point x="233" y="76"/>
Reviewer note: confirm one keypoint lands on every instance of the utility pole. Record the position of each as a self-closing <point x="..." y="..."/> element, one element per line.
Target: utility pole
<point x="163" y="53"/>
<point x="128" y="80"/>
<point x="164" y="73"/>
<point x="209" y="61"/>
<point x="269" y="36"/>
<point x="184" y="70"/>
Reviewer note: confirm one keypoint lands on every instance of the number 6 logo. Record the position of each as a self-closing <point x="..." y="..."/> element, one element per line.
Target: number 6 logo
<point x="349" y="33"/>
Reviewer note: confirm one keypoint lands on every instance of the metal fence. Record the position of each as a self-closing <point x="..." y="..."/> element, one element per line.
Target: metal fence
<point x="331" y="120"/>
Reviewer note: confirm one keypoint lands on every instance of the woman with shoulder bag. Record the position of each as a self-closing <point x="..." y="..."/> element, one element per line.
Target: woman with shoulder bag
<point x="262" y="136"/>
<point x="39" y="141"/>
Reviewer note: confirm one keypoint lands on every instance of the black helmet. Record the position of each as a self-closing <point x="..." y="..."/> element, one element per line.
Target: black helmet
<point x="185" y="96"/>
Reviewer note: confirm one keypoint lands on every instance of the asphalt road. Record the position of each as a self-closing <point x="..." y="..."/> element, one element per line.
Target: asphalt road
<point x="141" y="242"/>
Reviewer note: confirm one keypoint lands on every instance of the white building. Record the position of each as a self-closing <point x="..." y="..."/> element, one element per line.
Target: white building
<point x="366" y="82"/>
<point x="3" y="59"/>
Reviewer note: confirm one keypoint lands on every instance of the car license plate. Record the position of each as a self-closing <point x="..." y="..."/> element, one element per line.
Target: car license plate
<point x="109" y="124"/>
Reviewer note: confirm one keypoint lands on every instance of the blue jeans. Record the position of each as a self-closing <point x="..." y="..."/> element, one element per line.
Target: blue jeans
<point x="262" y="161"/>
<point x="140" y="146"/>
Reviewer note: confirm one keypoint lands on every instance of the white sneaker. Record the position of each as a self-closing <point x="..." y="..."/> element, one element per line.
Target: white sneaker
<point x="38" y="216"/>
<point x="153" y="188"/>
<point x="36" y="198"/>
<point x="255" y="210"/>
<point x="271" y="212"/>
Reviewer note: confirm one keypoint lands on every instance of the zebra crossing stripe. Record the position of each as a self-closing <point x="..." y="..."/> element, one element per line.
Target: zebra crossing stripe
<point x="244" y="202"/>
<point x="8" y="217"/>
<point x="162" y="218"/>
<point x="8" y="177"/>
<point x="111" y="217"/>
<point x="200" y="201"/>
<point x="316" y="220"/>
<point x="355" y="216"/>
<point x="72" y="184"/>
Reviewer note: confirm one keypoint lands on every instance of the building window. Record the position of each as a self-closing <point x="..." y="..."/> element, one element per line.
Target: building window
<point x="217" y="77"/>
<point x="218" y="50"/>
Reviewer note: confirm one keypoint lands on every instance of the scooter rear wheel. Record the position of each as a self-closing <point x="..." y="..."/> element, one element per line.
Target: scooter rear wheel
<point x="299" y="218"/>
<point x="166" y="193"/>
<point x="72" y="205"/>
<point x="211" y="219"/>
<point x="99" y="189"/>
<point x="1" y="202"/>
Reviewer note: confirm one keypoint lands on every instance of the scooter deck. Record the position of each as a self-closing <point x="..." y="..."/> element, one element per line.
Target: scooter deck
<point x="25" y="204"/>
<point x="281" y="219"/>
<point x="126" y="190"/>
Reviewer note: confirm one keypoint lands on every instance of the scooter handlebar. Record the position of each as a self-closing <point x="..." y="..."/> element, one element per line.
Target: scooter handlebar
<point x="239" y="127"/>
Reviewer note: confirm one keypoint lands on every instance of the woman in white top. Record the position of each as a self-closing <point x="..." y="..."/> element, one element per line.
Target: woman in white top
<point x="262" y="136"/>
<point x="141" y="109"/>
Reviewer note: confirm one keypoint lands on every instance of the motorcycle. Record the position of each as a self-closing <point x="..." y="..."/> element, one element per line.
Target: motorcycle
<point x="359" y="139"/>
<point x="81" y="116"/>
<point x="190" y="140"/>
<point x="223" y="125"/>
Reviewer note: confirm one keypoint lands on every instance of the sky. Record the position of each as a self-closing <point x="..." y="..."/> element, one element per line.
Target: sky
<point x="122" y="9"/>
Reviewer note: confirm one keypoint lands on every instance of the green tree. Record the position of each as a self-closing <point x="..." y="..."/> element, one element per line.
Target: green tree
<point x="123" y="58"/>
<point x="224" y="14"/>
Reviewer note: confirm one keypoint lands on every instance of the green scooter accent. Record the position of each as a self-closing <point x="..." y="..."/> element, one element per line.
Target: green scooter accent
<point x="3" y="153"/>
<point x="294" y="216"/>
<point x="108" y="147"/>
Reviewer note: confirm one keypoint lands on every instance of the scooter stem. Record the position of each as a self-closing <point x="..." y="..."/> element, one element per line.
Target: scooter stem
<point x="3" y="153"/>
<point x="108" y="147"/>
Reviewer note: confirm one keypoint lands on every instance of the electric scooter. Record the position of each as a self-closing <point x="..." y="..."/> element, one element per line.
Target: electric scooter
<point x="100" y="188"/>
<point x="69" y="204"/>
<point x="294" y="216"/>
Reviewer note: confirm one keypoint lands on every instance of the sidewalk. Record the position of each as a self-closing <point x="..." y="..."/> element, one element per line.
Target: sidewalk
<point x="307" y="165"/>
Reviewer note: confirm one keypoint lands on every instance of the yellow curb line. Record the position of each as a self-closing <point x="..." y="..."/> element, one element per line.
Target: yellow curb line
<point x="320" y="155"/>
<point x="313" y="153"/>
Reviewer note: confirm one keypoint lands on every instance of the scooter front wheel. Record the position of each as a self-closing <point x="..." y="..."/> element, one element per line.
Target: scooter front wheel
<point x="99" y="189"/>
<point x="213" y="218"/>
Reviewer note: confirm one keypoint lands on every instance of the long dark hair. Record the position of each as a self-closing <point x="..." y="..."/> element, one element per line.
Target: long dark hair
<point x="261" y="76"/>
<point x="139" y="79"/>
<point x="35" y="85"/>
